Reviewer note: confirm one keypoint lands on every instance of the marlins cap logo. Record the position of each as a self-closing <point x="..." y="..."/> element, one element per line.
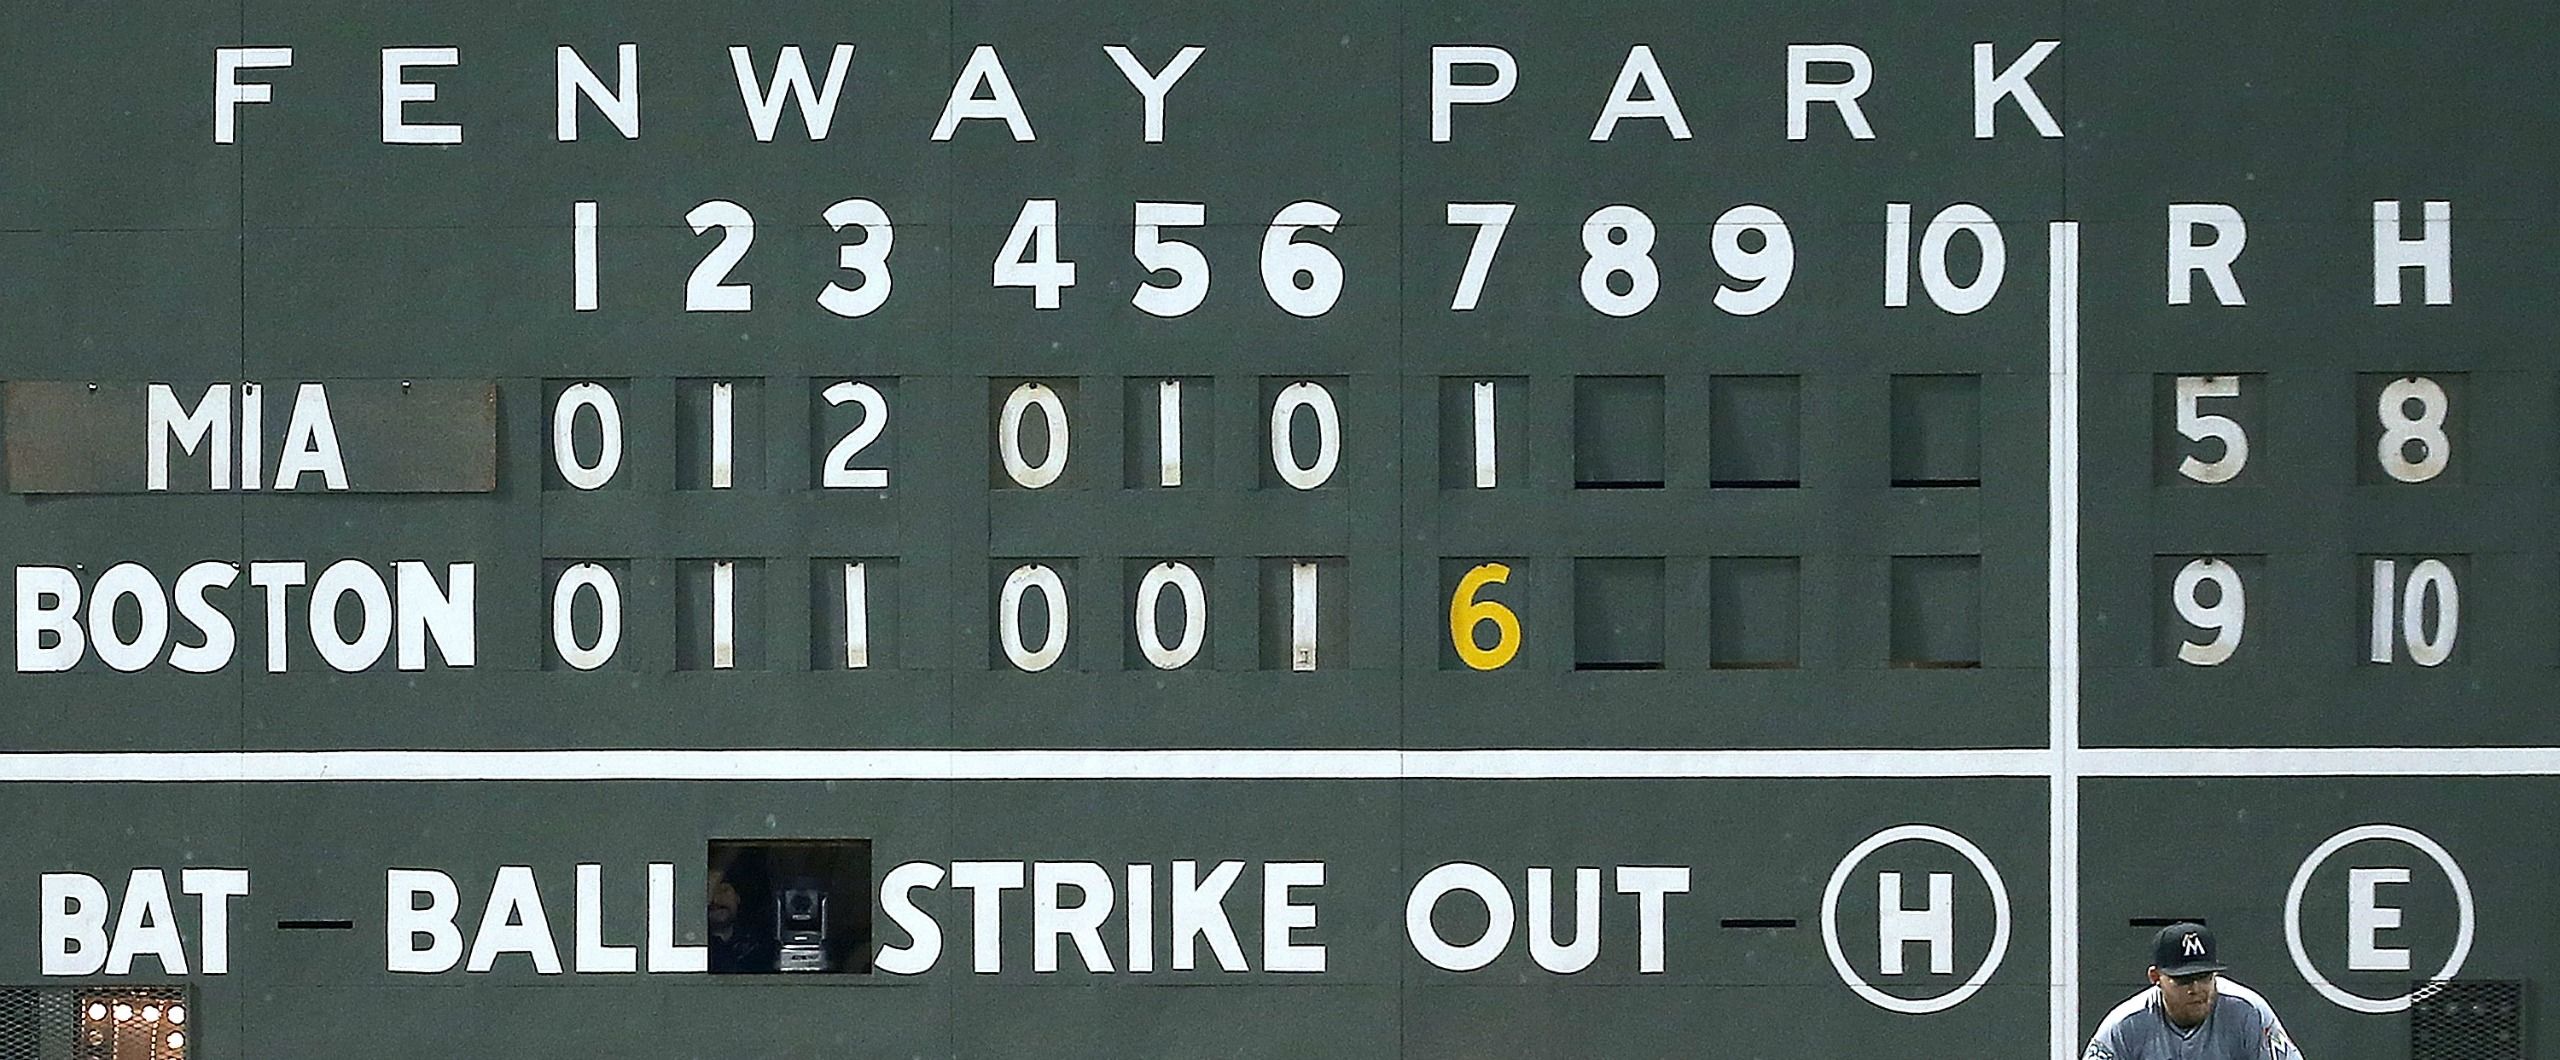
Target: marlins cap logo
<point x="2192" y="945"/>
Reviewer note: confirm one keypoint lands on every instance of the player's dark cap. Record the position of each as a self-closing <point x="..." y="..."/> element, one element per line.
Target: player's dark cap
<point x="2185" y="949"/>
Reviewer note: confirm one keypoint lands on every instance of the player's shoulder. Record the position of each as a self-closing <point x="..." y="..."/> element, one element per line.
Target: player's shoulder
<point x="2113" y="1028"/>
<point x="2241" y="998"/>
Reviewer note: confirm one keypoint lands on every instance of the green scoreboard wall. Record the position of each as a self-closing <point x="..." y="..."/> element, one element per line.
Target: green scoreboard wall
<point x="1355" y="529"/>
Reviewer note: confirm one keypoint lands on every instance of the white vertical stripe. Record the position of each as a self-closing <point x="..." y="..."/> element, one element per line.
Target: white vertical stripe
<point x="724" y="649"/>
<point x="857" y="618"/>
<point x="584" y="242"/>
<point x="1897" y="255"/>
<point x="253" y="431"/>
<point x="1302" y="616"/>
<point x="724" y="416"/>
<point x="2386" y="573"/>
<point x="2062" y="633"/>
<point x="1485" y="460"/>
<point x="1169" y="433"/>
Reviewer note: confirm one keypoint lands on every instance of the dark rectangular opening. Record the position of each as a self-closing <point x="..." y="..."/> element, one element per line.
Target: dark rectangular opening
<point x="1618" y="438"/>
<point x="788" y="906"/>
<point x="1618" y="613"/>
<point x="1936" y="424"/>
<point x="1753" y="432"/>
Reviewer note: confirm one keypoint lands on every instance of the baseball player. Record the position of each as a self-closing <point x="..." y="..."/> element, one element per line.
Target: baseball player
<point x="2191" y="1012"/>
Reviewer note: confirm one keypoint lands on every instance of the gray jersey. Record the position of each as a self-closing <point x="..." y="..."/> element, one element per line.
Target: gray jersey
<point x="2240" y="1027"/>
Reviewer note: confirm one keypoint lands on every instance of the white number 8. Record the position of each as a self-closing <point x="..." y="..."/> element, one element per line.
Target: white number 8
<point x="2225" y="616"/>
<point x="2425" y="430"/>
<point x="1631" y="256"/>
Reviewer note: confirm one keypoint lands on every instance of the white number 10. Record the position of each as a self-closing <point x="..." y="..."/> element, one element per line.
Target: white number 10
<point x="2429" y="578"/>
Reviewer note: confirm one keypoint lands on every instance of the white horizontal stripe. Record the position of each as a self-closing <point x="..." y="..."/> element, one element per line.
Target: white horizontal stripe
<point x="1210" y="764"/>
<point x="2321" y="762"/>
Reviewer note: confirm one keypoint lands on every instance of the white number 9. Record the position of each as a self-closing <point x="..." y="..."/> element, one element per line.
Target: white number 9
<point x="1767" y="269"/>
<point x="2225" y="616"/>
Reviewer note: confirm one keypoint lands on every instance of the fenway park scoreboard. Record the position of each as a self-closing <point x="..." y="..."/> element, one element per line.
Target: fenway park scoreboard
<point x="1360" y="529"/>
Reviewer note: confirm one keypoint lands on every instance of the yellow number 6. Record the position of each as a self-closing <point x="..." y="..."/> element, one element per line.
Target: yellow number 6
<point x="1466" y="612"/>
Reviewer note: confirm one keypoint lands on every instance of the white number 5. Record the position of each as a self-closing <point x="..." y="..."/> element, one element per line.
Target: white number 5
<point x="2197" y="426"/>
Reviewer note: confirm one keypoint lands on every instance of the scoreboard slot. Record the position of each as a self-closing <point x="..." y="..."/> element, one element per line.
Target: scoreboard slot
<point x="1937" y="430"/>
<point x="1618" y="613"/>
<point x="1618" y="432"/>
<point x="1754" y="432"/>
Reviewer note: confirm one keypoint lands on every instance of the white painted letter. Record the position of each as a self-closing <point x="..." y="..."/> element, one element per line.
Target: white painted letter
<point x="1649" y="883"/>
<point x="1934" y="924"/>
<point x="1990" y="88"/>
<point x="2431" y="254"/>
<point x="1280" y="916"/>
<point x="1152" y="87"/>
<point x="351" y="577"/>
<point x="220" y="639"/>
<point x="60" y="618"/>
<point x="146" y="924"/>
<point x="311" y="442"/>
<point x="593" y="954"/>
<point x="984" y="70"/>
<point x="1803" y="91"/>
<point x="2367" y="917"/>
<point x="924" y="946"/>
<point x="1081" y="922"/>
<point x="214" y="889"/>
<point x="2188" y="257"/>
<point x="425" y="610"/>
<point x="513" y="922"/>
<point x="986" y="882"/>
<point x="1437" y="884"/>
<point x="1447" y="93"/>
<point x="664" y="954"/>
<point x="403" y="921"/>
<point x="120" y="581"/>
<point x="791" y="76"/>
<point x="276" y="577"/>
<point x="166" y="420"/>
<point x="228" y="90"/>
<point x="1200" y="911"/>
<point x="1640" y="69"/>
<point x="75" y="923"/>
<point x="1569" y="957"/>
<point x="622" y="108"/>
<point x="397" y="94"/>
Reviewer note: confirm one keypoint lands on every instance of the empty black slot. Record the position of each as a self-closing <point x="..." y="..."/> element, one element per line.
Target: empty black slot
<point x="315" y="925"/>
<point x="1617" y="613"/>
<point x="1937" y="612"/>
<point x="1618" y="436"/>
<point x="1936" y="425"/>
<point x="1937" y="483"/>
<point x="1754" y="432"/>
<point x="1745" y="922"/>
